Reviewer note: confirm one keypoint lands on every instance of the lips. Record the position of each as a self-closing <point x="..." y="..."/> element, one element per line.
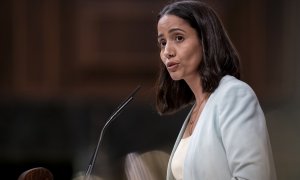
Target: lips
<point x="172" y="66"/>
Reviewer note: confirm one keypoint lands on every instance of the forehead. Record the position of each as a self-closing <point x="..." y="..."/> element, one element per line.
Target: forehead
<point x="168" y="22"/>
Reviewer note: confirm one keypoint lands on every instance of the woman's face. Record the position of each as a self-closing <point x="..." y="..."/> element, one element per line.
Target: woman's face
<point x="180" y="47"/>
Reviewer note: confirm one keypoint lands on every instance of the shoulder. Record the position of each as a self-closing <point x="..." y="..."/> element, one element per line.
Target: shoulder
<point x="230" y="87"/>
<point x="235" y="99"/>
<point x="233" y="95"/>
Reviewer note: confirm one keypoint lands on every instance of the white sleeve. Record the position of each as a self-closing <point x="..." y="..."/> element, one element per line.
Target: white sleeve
<point x="244" y="134"/>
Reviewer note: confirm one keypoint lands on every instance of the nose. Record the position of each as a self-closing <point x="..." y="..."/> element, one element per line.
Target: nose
<point x="169" y="51"/>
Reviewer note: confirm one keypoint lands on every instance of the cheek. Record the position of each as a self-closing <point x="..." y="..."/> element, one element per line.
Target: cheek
<point x="162" y="57"/>
<point x="195" y="57"/>
<point x="197" y="54"/>
<point x="198" y="59"/>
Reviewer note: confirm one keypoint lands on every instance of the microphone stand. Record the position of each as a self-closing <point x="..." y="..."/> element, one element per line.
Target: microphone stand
<point x="111" y="118"/>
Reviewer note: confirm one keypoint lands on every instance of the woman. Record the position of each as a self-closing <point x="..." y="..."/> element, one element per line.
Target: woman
<point x="224" y="137"/>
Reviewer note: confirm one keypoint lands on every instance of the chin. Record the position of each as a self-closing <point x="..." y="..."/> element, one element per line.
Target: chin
<point x="176" y="78"/>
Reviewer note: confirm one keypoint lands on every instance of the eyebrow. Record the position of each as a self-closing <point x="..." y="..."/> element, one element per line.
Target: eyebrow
<point x="170" y="31"/>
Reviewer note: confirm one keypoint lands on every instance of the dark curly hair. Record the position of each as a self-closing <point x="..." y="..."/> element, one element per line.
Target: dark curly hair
<point x="220" y="57"/>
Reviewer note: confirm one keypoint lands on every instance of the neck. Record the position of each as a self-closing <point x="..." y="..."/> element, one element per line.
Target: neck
<point x="196" y="86"/>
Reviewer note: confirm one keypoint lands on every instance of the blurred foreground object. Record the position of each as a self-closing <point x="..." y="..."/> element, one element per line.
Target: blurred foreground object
<point x="38" y="173"/>
<point x="81" y="176"/>
<point x="147" y="166"/>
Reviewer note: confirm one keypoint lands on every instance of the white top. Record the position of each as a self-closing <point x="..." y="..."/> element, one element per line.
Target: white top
<point x="178" y="158"/>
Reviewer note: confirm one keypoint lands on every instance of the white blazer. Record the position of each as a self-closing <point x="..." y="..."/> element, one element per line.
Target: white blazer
<point x="230" y="140"/>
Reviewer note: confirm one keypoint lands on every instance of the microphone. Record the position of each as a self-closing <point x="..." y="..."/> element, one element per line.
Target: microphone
<point x="110" y="119"/>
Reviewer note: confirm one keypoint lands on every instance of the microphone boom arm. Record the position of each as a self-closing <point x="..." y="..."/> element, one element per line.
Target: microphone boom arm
<point x="111" y="118"/>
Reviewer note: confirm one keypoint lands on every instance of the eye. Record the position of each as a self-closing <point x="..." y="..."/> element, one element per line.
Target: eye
<point x="179" y="38"/>
<point x="162" y="43"/>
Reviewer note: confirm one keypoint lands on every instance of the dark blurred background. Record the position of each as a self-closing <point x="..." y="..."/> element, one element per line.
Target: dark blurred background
<point x="66" y="64"/>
